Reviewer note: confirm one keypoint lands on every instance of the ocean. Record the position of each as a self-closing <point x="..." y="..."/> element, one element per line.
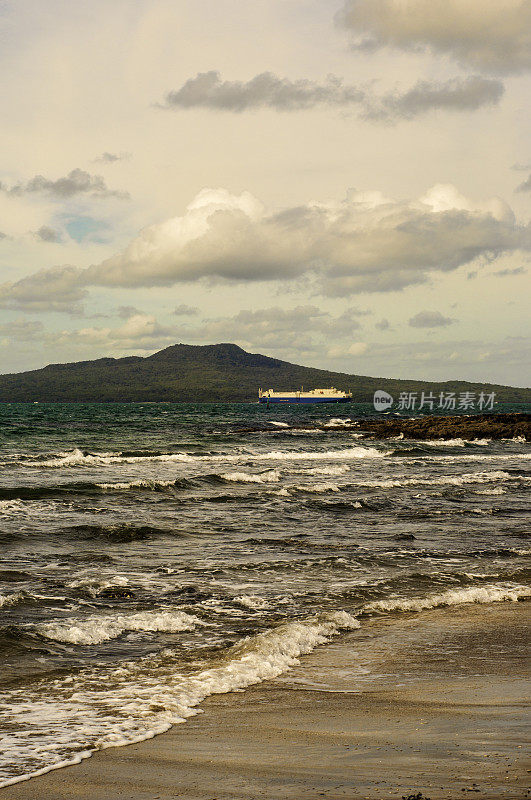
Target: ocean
<point x="156" y="554"/>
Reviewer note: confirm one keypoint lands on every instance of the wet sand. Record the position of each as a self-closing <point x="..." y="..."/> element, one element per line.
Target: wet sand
<point x="433" y="702"/>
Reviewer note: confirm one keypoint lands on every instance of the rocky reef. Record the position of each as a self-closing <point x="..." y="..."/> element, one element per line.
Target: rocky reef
<point x="476" y="426"/>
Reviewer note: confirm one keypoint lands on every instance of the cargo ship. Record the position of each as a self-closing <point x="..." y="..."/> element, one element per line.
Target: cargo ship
<point x="331" y="395"/>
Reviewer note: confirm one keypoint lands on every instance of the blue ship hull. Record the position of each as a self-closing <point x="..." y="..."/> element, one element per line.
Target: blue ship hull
<point x="305" y="400"/>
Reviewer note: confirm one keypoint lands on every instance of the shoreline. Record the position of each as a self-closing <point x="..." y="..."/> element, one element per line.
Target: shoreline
<point x="432" y="702"/>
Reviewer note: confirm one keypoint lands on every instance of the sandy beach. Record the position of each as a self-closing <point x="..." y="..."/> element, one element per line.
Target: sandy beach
<point x="375" y="714"/>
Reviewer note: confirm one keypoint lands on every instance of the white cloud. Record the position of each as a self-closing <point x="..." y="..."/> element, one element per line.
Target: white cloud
<point x="139" y="332"/>
<point x="365" y="242"/>
<point x="493" y="35"/>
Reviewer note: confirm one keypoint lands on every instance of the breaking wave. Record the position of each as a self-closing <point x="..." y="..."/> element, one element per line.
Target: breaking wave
<point x="453" y="597"/>
<point x="272" y="476"/>
<point x="97" y="629"/>
<point x="158" y="698"/>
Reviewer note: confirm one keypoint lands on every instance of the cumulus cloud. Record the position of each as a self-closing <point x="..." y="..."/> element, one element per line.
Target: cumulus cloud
<point x="525" y="186"/>
<point x="430" y="319"/>
<point x="77" y="182"/>
<point x="366" y="242"/>
<point x="208" y="90"/>
<point x="457" y="94"/>
<point x="185" y="311"/>
<point x="139" y="332"/>
<point x="47" y="234"/>
<point x="56" y="289"/>
<point x="491" y="35"/>
<point x="383" y="325"/>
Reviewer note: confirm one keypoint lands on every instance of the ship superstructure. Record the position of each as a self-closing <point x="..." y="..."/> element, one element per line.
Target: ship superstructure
<point x="331" y="395"/>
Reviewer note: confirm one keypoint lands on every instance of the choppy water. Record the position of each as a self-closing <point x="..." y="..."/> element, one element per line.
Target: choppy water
<point x="154" y="555"/>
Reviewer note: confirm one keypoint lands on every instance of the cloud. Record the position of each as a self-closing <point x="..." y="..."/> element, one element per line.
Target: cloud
<point x="304" y="328"/>
<point x="21" y="330"/>
<point x="112" y="158"/>
<point x="503" y="273"/>
<point x="47" y="234"/>
<point x="525" y="186"/>
<point x="139" y="332"/>
<point x="208" y="90"/>
<point x="457" y="94"/>
<point x="382" y="325"/>
<point x="125" y="312"/>
<point x="342" y="351"/>
<point x="3" y="235"/>
<point x="521" y="167"/>
<point x="491" y="35"/>
<point x="430" y="319"/>
<point x="77" y="182"/>
<point x="185" y="311"/>
<point x="56" y="289"/>
<point x="365" y="242"/>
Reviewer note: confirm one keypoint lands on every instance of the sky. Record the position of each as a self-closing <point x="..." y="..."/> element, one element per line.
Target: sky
<point x="342" y="184"/>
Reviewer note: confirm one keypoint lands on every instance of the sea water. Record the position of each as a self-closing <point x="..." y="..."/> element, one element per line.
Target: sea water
<point x="155" y="554"/>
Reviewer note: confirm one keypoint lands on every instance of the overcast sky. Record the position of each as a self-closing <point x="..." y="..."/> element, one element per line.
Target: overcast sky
<point x="339" y="183"/>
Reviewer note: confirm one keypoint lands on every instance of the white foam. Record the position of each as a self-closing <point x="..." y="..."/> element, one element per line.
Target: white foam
<point x="348" y="453"/>
<point x="336" y="469"/>
<point x="278" y="424"/>
<point x="94" y="584"/>
<point x="318" y="488"/>
<point x="337" y="422"/>
<point x="452" y="597"/>
<point x="282" y="493"/>
<point x="251" y="601"/>
<point x="272" y="476"/>
<point x="142" y="699"/>
<point x="451" y="480"/>
<point x="9" y="506"/>
<point x="77" y="458"/>
<point x="97" y="629"/>
<point x="10" y="599"/>
<point x="142" y="483"/>
<point x="497" y="490"/>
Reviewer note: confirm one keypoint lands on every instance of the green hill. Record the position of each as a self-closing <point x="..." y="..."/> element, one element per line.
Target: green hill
<point x="218" y="372"/>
